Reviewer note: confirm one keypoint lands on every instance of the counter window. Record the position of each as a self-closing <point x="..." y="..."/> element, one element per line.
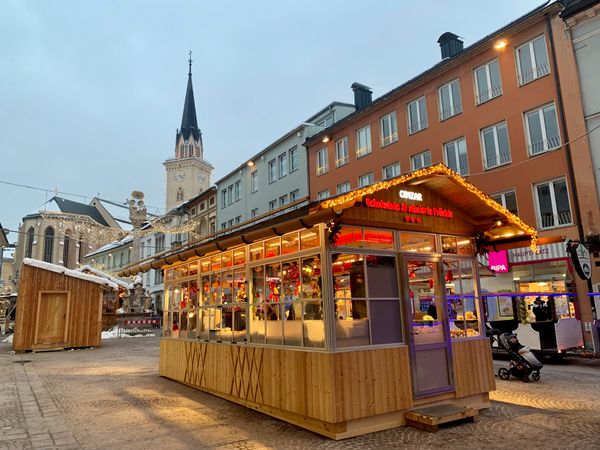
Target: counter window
<point x="289" y="243"/>
<point x="367" y="303"/>
<point x="453" y="245"/>
<point x="239" y="257"/>
<point x="379" y="239"/>
<point x="193" y="269"/>
<point x="463" y="304"/>
<point x="413" y="242"/>
<point x="309" y="238"/>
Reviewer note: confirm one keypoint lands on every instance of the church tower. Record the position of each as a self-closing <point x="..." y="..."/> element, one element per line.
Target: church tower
<point x="188" y="174"/>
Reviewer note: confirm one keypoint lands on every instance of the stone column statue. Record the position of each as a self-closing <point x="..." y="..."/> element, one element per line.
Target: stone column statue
<point x="137" y="216"/>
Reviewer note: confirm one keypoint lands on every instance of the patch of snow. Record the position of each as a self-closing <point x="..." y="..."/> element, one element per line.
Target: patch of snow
<point x="101" y="274"/>
<point x="9" y="339"/>
<point x="71" y="273"/>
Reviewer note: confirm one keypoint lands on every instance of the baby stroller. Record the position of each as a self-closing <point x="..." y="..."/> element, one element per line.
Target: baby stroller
<point x="522" y="361"/>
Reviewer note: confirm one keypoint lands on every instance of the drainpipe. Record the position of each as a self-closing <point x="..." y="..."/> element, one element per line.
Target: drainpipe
<point x="565" y="133"/>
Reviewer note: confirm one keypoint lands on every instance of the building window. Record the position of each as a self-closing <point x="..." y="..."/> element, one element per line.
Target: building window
<point x="417" y="115"/>
<point x="272" y="171"/>
<point x="342" y="188"/>
<point x="66" y="245"/>
<point x="230" y="194"/>
<point x="294" y="195"/>
<point x="507" y="199"/>
<point x="158" y="276"/>
<point x="326" y="121"/>
<point x="322" y="166"/>
<point x="143" y="250"/>
<point x="254" y="181"/>
<point x="159" y="243"/>
<point x="202" y="206"/>
<point x="532" y="60"/>
<point x="420" y="160"/>
<point x="272" y="205"/>
<point x="389" y="129"/>
<point x="488" y="84"/>
<point x="283" y="165"/>
<point x="236" y="188"/>
<point x="180" y="194"/>
<point x="238" y="219"/>
<point x="29" y="246"/>
<point x="450" y="102"/>
<point x="496" y="150"/>
<point x="230" y="223"/>
<point x="455" y="153"/>
<point x="342" y="156"/>
<point x="391" y="171"/>
<point x="541" y="127"/>
<point x="365" y="180"/>
<point x="293" y="159"/>
<point x="48" y="244"/>
<point x="323" y="194"/>
<point x="211" y="201"/>
<point x="283" y="200"/>
<point x="223" y="225"/>
<point x="254" y="212"/>
<point x="363" y="141"/>
<point x="223" y="198"/>
<point x="553" y="204"/>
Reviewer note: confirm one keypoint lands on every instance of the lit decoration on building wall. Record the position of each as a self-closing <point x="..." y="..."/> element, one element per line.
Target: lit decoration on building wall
<point x="83" y="227"/>
<point x="347" y="200"/>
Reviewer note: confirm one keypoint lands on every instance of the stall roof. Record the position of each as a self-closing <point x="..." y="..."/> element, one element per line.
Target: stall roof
<point x="69" y="272"/>
<point x="498" y="227"/>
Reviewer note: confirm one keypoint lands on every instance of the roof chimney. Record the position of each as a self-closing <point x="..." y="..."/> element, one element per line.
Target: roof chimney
<point x="362" y="95"/>
<point x="450" y="44"/>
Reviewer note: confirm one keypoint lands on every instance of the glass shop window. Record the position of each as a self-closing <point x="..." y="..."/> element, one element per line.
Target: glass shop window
<point x="239" y="257"/>
<point x="289" y="243"/>
<point x="257" y="316"/>
<point x="193" y="268"/>
<point x="384" y="301"/>
<point x="272" y="247"/>
<point x="313" y="325"/>
<point x="182" y="271"/>
<point x="215" y="263"/>
<point x="379" y="239"/>
<point x="205" y="265"/>
<point x="309" y="238"/>
<point x="226" y="260"/>
<point x="452" y="245"/>
<point x="349" y="237"/>
<point x="463" y="304"/>
<point x="413" y="242"/>
<point x="257" y="251"/>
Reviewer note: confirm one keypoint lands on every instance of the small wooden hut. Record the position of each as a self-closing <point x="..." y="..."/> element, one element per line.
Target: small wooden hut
<point x="58" y="308"/>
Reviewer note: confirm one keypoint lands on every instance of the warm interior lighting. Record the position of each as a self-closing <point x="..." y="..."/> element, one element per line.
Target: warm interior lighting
<point x="500" y="44"/>
<point x="326" y="139"/>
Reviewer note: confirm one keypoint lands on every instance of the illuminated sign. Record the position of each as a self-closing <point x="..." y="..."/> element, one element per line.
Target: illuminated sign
<point x="409" y="209"/>
<point x="409" y="195"/>
<point x="498" y="261"/>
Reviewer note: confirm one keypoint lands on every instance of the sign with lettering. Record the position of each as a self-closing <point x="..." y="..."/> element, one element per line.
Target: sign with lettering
<point x="581" y="260"/>
<point x="410" y="195"/>
<point x="409" y="209"/>
<point x="498" y="261"/>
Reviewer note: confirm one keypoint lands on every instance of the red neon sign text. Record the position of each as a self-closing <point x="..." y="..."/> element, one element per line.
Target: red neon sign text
<point x="409" y="209"/>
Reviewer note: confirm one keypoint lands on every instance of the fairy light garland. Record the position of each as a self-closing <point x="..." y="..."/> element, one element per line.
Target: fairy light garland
<point x="84" y="227"/>
<point x="438" y="169"/>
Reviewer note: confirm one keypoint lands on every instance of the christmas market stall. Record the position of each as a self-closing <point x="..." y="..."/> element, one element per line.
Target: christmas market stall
<point x="58" y="308"/>
<point x="342" y="315"/>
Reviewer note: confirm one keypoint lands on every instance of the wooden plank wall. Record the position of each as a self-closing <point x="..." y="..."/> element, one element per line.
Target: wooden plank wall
<point x="84" y="324"/>
<point x="330" y="387"/>
<point x="473" y="368"/>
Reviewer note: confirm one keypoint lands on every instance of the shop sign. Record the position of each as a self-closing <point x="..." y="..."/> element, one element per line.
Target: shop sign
<point x="409" y="209"/>
<point x="580" y="256"/>
<point x="498" y="261"/>
<point x="544" y="252"/>
<point x="410" y="195"/>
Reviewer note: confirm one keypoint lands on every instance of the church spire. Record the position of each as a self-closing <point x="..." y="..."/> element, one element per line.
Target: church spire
<point x="189" y="123"/>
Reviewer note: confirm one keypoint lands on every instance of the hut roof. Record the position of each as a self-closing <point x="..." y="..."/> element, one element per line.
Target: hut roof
<point x="71" y="273"/>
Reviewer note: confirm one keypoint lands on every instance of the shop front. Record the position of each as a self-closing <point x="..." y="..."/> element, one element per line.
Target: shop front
<point x="343" y="315"/>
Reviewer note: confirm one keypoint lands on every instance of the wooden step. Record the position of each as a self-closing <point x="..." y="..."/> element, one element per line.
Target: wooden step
<point x="431" y="417"/>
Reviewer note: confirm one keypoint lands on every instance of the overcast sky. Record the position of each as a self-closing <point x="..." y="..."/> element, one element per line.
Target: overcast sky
<point x="91" y="92"/>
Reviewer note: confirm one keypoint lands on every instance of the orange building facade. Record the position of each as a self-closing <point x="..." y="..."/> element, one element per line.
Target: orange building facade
<point x="500" y="112"/>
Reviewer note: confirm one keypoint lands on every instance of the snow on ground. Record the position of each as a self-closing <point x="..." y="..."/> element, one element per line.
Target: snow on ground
<point x="8" y="340"/>
<point x="114" y="334"/>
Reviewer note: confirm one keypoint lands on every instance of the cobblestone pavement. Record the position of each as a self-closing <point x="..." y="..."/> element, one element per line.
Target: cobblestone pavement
<point x="112" y="397"/>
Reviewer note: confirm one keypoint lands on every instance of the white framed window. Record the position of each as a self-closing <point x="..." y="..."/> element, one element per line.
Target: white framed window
<point x="272" y="205"/>
<point x="494" y="142"/>
<point x="283" y="165"/>
<point x="389" y="129"/>
<point x="363" y="141"/>
<point x="223" y="198"/>
<point x="254" y="181"/>
<point x="283" y="200"/>
<point x="343" y="188"/>
<point x="450" y="101"/>
<point x="293" y="159"/>
<point x="272" y="171"/>
<point x="366" y="179"/>
<point x="541" y="128"/>
<point x="455" y="154"/>
<point x="420" y="160"/>
<point x="553" y="206"/>
<point x="391" y="171"/>
<point x="322" y="163"/>
<point x="238" y="219"/>
<point x="223" y="225"/>
<point x="323" y="194"/>
<point x="254" y="212"/>
<point x="230" y="223"/>
<point x="532" y="60"/>
<point x="294" y="195"/>
<point x="508" y="199"/>
<point x="342" y="155"/>
<point x="326" y="121"/>
<point x="230" y="194"/>
<point x="237" y="190"/>
<point x="417" y="115"/>
<point x="488" y="84"/>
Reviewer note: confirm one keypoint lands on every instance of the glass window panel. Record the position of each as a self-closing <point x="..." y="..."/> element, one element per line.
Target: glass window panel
<point x="465" y="246"/>
<point x="273" y="247"/>
<point x="292" y="327"/>
<point x="314" y="328"/>
<point x="309" y="238"/>
<point x="215" y="262"/>
<point x="456" y="101"/>
<point x="273" y="282"/>
<point x="182" y="271"/>
<point x="414" y="117"/>
<point x="205" y="265"/>
<point x="449" y="245"/>
<point x="290" y="282"/>
<point x="545" y="205"/>
<point x="215" y="288"/>
<point x="510" y="200"/>
<point x="311" y="277"/>
<point x="193" y="268"/>
<point x="536" y="138"/>
<point x="562" y="202"/>
<point x="257" y="251"/>
<point x="451" y="156"/>
<point x="257" y="324"/>
<point x="482" y="84"/>
<point x="382" y="276"/>
<point x="490" y="148"/>
<point x="417" y="242"/>
<point x="422" y="113"/>
<point x="551" y="123"/>
<point x="349" y="237"/>
<point x="258" y="284"/>
<point x="289" y="243"/>
<point x="494" y="70"/>
<point x="226" y="260"/>
<point x="239" y="257"/>
<point x="385" y="321"/>
<point x="503" y="143"/>
<point x="525" y="64"/>
<point x="541" y="57"/>
<point x="227" y="287"/>
<point x="445" y="100"/>
<point x="377" y="238"/>
<point x="348" y="275"/>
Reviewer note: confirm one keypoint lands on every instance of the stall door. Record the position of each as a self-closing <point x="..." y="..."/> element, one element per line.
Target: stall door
<point x="427" y="327"/>
<point x="51" y="320"/>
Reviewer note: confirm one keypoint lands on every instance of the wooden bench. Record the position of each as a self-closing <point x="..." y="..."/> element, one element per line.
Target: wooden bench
<point x="135" y="326"/>
<point x="430" y="418"/>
